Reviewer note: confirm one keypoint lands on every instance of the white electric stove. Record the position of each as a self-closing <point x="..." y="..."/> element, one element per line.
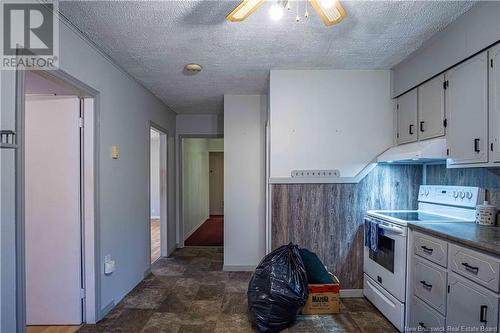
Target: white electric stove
<point x="385" y="269"/>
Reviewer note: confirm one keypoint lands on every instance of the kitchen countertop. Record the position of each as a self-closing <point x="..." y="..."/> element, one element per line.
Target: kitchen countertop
<point x="480" y="237"/>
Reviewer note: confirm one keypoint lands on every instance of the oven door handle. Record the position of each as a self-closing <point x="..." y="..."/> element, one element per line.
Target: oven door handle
<point x="394" y="230"/>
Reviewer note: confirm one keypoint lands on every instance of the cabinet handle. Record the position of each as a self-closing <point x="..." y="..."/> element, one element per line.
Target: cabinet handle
<point x="410" y="129"/>
<point x="476" y="145"/>
<point x="422" y="126"/>
<point x="482" y="314"/>
<point x="468" y="267"/>
<point x="426" y="285"/>
<point x="426" y="249"/>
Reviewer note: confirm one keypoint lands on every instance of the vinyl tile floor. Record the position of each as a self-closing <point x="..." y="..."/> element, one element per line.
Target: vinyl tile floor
<point x="188" y="292"/>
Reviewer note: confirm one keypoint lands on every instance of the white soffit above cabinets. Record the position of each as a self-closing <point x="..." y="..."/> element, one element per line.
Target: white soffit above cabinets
<point x="153" y="40"/>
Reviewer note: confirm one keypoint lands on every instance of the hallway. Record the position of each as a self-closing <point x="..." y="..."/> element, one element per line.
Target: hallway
<point x="189" y="292"/>
<point x="210" y="233"/>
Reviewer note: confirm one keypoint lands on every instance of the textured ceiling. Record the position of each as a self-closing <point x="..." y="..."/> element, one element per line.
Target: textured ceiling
<point x="154" y="40"/>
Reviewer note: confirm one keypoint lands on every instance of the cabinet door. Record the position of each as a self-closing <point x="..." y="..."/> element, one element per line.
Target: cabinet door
<point x="494" y="86"/>
<point x="470" y="305"/>
<point x="467" y="111"/>
<point x="431" y="109"/>
<point x="407" y="117"/>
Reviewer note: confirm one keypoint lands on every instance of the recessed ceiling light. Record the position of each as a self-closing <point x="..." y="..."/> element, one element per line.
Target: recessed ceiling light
<point x="193" y="68"/>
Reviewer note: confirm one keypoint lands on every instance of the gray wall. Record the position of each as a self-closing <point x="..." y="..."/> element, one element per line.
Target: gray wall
<point x="473" y="31"/>
<point x="126" y="109"/>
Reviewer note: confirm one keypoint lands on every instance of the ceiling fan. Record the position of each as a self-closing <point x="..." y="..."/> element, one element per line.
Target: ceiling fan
<point x="330" y="11"/>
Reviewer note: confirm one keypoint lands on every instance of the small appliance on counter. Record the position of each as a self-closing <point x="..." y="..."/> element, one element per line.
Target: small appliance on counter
<point x="486" y="214"/>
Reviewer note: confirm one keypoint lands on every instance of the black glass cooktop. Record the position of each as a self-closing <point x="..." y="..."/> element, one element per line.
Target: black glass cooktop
<point x="418" y="216"/>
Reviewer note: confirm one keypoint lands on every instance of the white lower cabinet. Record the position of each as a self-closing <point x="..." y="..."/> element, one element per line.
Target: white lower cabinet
<point x="470" y="306"/>
<point x="452" y="299"/>
<point x="424" y="318"/>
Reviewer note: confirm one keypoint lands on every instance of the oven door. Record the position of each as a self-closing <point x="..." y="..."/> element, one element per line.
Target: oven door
<point x="387" y="266"/>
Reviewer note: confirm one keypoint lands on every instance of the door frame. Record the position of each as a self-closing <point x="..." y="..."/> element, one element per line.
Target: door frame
<point x="164" y="209"/>
<point x="180" y="203"/>
<point x="90" y="232"/>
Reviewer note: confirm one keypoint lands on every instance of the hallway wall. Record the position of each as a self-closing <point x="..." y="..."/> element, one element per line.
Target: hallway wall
<point x="195" y="180"/>
<point x="125" y="110"/>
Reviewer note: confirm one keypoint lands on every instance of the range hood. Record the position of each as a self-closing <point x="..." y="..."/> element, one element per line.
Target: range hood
<point x="433" y="150"/>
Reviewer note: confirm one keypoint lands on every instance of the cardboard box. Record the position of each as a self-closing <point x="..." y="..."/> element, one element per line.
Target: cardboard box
<point x="323" y="298"/>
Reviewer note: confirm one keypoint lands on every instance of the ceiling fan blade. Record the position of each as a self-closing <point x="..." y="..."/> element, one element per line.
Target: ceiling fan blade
<point x="244" y="10"/>
<point x="329" y="15"/>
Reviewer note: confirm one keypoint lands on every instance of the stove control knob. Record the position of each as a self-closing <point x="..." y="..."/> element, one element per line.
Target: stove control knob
<point x="469" y="195"/>
<point x="426" y="192"/>
<point x="455" y="194"/>
<point x="462" y="195"/>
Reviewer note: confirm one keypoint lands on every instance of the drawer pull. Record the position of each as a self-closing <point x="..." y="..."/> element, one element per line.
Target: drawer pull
<point x="470" y="268"/>
<point x="482" y="315"/>
<point x="427" y="249"/>
<point x="426" y="285"/>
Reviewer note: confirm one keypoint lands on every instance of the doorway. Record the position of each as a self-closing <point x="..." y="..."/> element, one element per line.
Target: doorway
<point x="202" y="186"/>
<point x="55" y="233"/>
<point x="158" y="192"/>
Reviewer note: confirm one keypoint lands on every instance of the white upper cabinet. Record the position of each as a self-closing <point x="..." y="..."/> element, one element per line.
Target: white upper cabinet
<point x="407" y="109"/>
<point x="431" y="113"/>
<point x="467" y="111"/>
<point x="494" y="86"/>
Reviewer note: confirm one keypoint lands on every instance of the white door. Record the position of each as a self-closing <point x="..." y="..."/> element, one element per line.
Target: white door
<point x="431" y="108"/>
<point x="467" y="111"/>
<point x="494" y="108"/>
<point x="52" y="211"/>
<point x="407" y="117"/>
<point x="471" y="306"/>
<point x="216" y="183"/>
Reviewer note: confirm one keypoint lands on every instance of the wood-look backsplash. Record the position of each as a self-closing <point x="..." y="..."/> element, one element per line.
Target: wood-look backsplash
<point x="328" y="218"/>
<point x="487" y="178"/>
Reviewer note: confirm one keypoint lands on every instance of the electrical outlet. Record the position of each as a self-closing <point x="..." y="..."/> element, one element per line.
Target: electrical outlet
<point x="315" y="173"/>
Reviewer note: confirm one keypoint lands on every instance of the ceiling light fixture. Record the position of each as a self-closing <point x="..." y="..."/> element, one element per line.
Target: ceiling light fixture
<point x="327" y="3"/>
<point x="193" y="69"/>
<point x="330" y="11"/>
<point x="276" y="12"/>
<point x="244" y="10"/>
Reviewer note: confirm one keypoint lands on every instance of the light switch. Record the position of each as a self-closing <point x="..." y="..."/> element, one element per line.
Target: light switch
<point x="115" y="152"/>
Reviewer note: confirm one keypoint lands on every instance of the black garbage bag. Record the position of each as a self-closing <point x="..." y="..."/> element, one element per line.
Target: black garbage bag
<point x="277" y="289"/>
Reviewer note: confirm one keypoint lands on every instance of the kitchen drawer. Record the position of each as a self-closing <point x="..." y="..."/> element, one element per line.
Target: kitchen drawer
<point x="431" y="248"/>
<point x="476" y="266"/>
<point x="429" y="284"/>
<point x="423" y="318"/>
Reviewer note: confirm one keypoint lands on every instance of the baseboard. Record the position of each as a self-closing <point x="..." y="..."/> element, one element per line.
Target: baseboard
<point x="238" y="268"/>
<point x="351" y="293"/>
<point x="196" y="228"/>
<point x="107" y="309"/>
